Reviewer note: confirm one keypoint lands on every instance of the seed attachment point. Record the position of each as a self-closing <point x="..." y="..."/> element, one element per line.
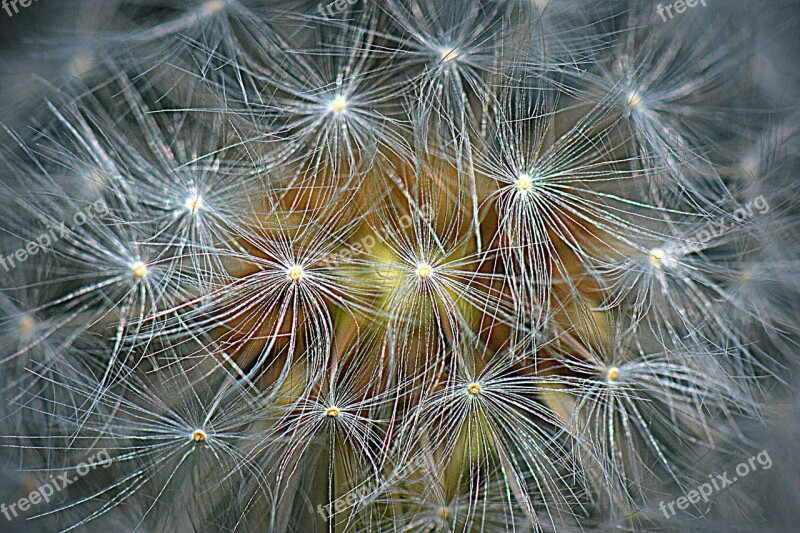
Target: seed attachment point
<point x="199" y="435"/>
<point x="194" y="204"/>
<point x="634" y="99"/>
<point x="338" y="105"/>
<point x="424" y="271"/>
<point x="332" y="412"/>
<point x="659" y="258"/>
<point x="474" y="389"/>
<point x="139" y="270"/>
<point x="295" y="273"/>
<point x="448" y="54"/>
<point x="212" y="6"/>
<point x="27" y="324"/>
<point x="524" y="183"/>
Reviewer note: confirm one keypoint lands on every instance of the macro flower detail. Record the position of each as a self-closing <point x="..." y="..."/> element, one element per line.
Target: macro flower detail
<point x="399" y="266"/>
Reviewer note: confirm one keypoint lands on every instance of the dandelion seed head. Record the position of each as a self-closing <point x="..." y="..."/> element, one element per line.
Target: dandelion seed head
<point x="139" y="270"/>
<point x="424" y="271"/>
<point x="554" y="221"/>
<point x="295" y="272"/>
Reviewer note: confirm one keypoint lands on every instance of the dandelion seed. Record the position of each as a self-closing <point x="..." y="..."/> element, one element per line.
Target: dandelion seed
<point x="474" y="389"/>
<point x="199" y="435"/>
<point x="295" y="272"/>
<point x="444" y="513"/>
<point x="139" y="270"/>
<point x="613" y="374"/>
<point x="332" y="412"/>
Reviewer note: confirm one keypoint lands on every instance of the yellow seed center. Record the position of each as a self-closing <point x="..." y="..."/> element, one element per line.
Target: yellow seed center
<point x="444" y="513"/>
<point x="524" y="183"/>
<point x="448" y="54"/>
<point x="745" y="277"/>
<point x="139" y="270"/>
<point x="656" y="256"/>
<point x="295" y="273"/>
<point x="338" y="105"/>
<point x="194" y="204"/>
<point x="199" y="435"/>
<point x="424" y="271"/>
<point x="332" y="411"/>
<point x="634" y="99"/>
<point x="80" y="65"/>
<point x="474" y="389"/>
<point x="27" y="323"/>
<point x="212" y="6"/>
<point x="613" y="374"/>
